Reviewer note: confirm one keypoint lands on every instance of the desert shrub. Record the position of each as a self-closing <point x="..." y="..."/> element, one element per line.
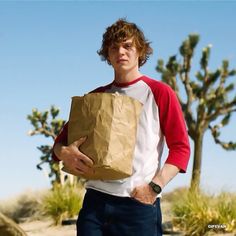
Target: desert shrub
<point x="196" y="213"/>
<point x="26" y="206"/>
<point x="225" y="205"/>
<point x="63" y="202"/>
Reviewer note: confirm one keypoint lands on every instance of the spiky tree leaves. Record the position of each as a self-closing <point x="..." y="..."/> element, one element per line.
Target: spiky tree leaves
<point x="207" y="99"/>
<point x="47" y="124"/>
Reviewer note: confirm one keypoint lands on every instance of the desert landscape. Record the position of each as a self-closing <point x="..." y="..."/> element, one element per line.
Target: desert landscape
<point x="27" y="212"/>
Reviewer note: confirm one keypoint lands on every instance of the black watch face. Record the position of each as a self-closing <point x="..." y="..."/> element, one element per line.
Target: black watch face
<point x="156" y="188"/>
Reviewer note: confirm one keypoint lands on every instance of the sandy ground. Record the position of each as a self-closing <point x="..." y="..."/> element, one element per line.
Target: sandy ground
<point x="46" y="228"/>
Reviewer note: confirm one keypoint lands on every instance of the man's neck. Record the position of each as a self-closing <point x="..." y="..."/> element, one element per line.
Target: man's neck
<point x="126" y="77"/>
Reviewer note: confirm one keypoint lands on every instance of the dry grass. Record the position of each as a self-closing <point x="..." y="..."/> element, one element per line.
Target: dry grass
<point x="197" y="213"/>
<point x="26" y="206"/>
<point x="59" y="203"/>
<point x="63" y="202"/>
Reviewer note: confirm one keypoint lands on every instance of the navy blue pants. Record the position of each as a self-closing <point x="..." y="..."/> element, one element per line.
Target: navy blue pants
<point x="106" y="215"/>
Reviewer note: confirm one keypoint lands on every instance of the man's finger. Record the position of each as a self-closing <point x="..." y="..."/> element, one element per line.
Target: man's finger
<point x="133" y="193"/>
<point x="86" y="160"/>
<point x="84" y="170"/>
<point x="80" y="141"/>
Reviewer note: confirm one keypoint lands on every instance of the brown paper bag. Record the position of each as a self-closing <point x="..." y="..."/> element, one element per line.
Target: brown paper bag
<point x="109" y="120"/>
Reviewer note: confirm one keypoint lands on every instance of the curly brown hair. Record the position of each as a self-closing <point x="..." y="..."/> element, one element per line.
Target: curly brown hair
<point x="120" y="31"/>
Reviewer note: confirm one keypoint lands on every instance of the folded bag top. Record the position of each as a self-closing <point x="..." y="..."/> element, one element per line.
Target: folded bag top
<point x="110" y="121"/>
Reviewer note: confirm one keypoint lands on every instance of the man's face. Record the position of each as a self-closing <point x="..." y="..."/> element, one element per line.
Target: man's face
<point x="123" y="56"/>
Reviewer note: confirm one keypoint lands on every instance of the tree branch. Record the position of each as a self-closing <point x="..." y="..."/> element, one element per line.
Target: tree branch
<point x="223" y="110"/>
<point x="215" y="133"/>
<point x="42" y="131"/>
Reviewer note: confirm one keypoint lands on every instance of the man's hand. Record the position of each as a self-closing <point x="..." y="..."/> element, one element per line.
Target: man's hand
<point x="73" y="159"/>
<point x="144" y="194"/>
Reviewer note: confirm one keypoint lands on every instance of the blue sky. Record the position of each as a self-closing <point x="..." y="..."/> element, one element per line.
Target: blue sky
<point x="48" y="54"/>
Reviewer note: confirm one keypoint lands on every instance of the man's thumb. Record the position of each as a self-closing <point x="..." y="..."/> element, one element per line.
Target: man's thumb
<point x="80" y="141"/>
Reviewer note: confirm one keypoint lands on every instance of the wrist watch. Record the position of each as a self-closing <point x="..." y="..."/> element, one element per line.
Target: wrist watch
<point x="155" y="187"/>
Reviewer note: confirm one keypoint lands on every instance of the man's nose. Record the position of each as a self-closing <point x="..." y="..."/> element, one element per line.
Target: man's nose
<point x="121" y="50"/>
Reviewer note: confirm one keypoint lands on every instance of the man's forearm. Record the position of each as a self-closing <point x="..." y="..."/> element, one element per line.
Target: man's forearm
<point x="165" y="175"/>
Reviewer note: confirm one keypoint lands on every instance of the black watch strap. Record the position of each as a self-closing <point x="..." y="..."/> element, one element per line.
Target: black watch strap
<point x="155" y="187"/>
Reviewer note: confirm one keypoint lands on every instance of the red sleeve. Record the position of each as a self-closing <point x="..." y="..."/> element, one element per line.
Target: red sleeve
<point x="172" y="124"/>
<point x="61" y="138"/>
<point x="173" y="127"/>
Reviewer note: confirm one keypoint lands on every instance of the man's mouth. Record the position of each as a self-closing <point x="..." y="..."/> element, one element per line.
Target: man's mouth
<point x="121" y="60"/>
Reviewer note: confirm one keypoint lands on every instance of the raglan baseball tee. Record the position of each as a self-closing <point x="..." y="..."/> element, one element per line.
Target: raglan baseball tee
<point x="161" y="120"/>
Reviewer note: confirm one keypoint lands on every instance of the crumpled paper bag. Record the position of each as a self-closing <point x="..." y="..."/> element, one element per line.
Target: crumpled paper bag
<point x="109" y="120"/>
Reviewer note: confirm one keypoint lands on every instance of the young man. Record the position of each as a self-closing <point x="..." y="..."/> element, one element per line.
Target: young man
<point x="131" y="206"/>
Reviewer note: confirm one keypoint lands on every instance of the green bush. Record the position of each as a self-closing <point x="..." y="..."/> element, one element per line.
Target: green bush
<point x="197" y="214"/>
<point x="63" y="202"/>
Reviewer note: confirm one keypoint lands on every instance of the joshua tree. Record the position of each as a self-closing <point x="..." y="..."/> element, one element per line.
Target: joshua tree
<point x="208" y="102"/>
<point x="47" y="124"/>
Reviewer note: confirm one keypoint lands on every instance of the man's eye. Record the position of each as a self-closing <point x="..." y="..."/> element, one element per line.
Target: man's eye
<point x="128" y="46"/>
